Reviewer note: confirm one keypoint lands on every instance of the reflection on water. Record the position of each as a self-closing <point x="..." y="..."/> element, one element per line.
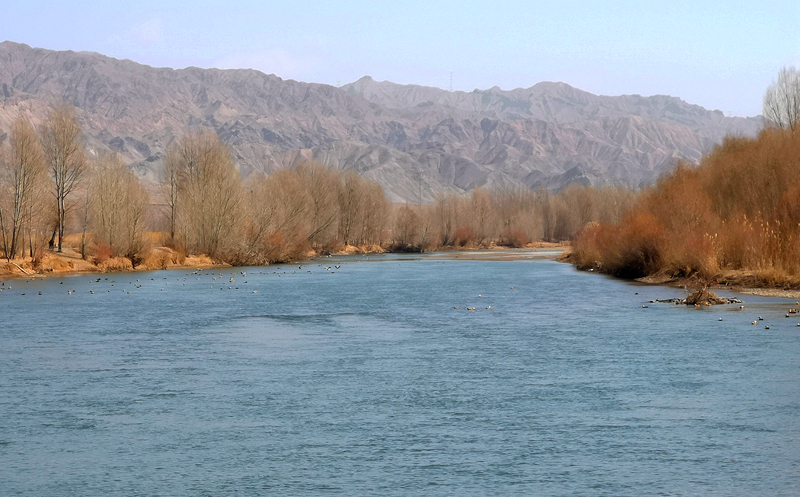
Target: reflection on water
<point x="374" y="378"/>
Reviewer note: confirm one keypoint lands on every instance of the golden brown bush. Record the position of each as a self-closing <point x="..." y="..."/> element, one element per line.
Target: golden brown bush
<point x="739" y="210"/>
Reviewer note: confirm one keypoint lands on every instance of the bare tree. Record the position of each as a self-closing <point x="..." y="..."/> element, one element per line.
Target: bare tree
<point x="27" y="171"/>
<point x="118" y="209"/>
<point x="406" y="228"/>
<point x="481" y="215"/>
<point x="351" y="205"/>
<point x="209" y="192"/>
<point x="375" y="214"/>
<point x="782" y="100"/>
<point x="322" y="185"/>
<point x="63" y="149"/>
<point x="171" y="175"/>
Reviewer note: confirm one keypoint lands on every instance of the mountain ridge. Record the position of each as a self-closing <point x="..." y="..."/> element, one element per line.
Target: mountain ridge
<point x="416" y="141"/>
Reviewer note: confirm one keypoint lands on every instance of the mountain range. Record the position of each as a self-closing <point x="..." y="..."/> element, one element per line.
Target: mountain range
<point x="415" y="141"/>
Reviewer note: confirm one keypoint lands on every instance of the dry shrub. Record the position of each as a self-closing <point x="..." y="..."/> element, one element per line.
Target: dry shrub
<point x="464" y="236"/>
<point x="694" y="256"/>
<point x="101" y="253"/>
<point x="586" y="246"/>
<point x="771" y="278"/>
<point x="638" y="253"/>
<point x="178" y="251"/>
<point x="158" y="258"/>
<point x="739" y="210"/>
<point x="197" y="261"/>
<point x="115" y="264"/>
<point x="38" y="257"/>
<point x="628" y="250"/>
<point x="299" y="250"/>
<point x="740" y="246"/>
<point x="513" y="239"/>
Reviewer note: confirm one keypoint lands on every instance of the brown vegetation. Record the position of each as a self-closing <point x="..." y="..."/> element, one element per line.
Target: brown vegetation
<point x="739" y="210"/>
<point x="215" y="217"/>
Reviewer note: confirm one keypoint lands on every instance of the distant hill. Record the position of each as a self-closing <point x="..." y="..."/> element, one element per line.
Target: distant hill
<point x="414" y="140"/>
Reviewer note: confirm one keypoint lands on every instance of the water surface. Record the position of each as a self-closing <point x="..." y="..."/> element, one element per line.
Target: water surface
<point x="366" y="380"/>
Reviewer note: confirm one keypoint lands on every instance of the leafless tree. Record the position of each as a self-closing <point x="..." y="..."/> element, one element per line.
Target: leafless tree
<point x="118" y="209"/>
<point x="375" y="215"/>
<point x="782" y="100"/>
<point x="63" y="150"/>
<point x="209" y="192"/>
<point x="352" y="197"/>
<point x="26" y="172"/>
<point x="170" y="183"/>
<point x="322" y="185"/>
<point x="406" y="227"/>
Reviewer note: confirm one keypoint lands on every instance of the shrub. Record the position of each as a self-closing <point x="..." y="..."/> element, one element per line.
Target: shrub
<point x="464" y="236"/>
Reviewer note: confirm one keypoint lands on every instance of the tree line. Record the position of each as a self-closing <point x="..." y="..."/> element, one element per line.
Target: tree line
<point x="50" y="188"/>
<point x="738" y="210"/>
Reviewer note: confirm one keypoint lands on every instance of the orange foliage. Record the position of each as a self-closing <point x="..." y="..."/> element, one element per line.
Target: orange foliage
<point x="464" y="236"/>
<point x="740" y="209"/>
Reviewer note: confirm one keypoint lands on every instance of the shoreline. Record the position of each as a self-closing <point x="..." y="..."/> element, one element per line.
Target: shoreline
<point x="730" y="283"/>
<point x="66" y="264"/>
<point x="743" y="282"/>
<point x="73" y="265"/>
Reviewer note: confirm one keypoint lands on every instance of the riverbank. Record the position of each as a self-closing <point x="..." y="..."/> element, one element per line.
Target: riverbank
<point x="758" y="283"/>
<point x="741" y="282"/>
<point x="69" y="262"/>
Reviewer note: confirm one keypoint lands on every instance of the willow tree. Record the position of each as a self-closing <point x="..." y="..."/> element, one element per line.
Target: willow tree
<point x="63" y="150"/>
<point x="322" y="185"/>
<point x="118" y="209"/>
<point x="782" y="100"/>
<point x="207" y="192"/>
<point x="24" y="174"/>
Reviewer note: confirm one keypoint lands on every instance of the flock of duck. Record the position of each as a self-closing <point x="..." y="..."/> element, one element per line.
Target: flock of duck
<point x="215" y="278"/>
<point x="789" y="313"/>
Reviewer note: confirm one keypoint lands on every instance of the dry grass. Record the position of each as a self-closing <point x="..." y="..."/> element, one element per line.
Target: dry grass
<point x="739" y="210"/>
<point x="361" y="249"/>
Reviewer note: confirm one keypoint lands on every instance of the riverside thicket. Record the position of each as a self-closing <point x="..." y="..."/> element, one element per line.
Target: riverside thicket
<point x="50" y="187"/>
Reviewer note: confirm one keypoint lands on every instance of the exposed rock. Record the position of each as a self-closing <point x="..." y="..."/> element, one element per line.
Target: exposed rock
<point x="416" y="141"/>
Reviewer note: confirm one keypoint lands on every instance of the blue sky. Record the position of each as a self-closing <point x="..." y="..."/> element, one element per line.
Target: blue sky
<point x="721" y="55"/>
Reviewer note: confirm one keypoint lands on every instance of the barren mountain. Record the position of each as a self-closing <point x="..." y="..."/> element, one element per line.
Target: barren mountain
<point x="414" y="140"/>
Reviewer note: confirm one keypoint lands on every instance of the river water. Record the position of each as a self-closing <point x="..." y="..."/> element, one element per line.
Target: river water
<point x="366" y="380"/>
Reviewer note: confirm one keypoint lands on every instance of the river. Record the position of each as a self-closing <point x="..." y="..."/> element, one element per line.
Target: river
<point x="370" y="376"/>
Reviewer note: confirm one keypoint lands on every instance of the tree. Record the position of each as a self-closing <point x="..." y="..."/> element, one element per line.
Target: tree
<point x="322" y="185"/>
<point x="118" y="209"/>
<point x="209" y="192"/>
<point x="375" y="214"/>
<point x="61" y="140"/>
<point x="782" y="100"/>
<point x="171" y="174"/>
<point x="407" y="227"/>
<point x="26" y="171"/>
<point x="351" y="205"/>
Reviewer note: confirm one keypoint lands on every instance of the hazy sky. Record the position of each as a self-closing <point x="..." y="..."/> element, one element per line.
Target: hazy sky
<point x="721" y="55"/>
